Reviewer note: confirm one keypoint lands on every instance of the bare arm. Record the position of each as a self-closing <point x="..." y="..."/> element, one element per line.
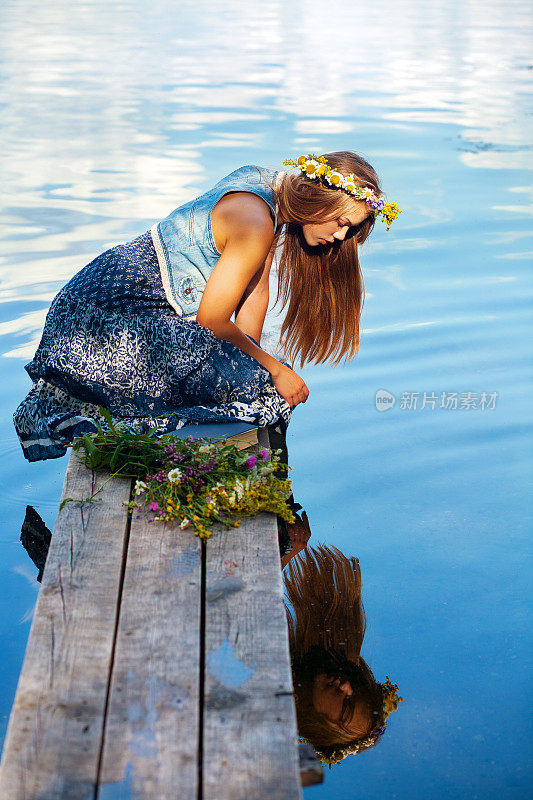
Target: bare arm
<point x="251" y="312"/>
<point x="300" y="533"/>
<point x="246" y="249"/>
<point x="247" y="236"/>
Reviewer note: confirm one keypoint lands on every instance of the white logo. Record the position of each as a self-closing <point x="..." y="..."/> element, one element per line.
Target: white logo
<point x="384" y="400"/>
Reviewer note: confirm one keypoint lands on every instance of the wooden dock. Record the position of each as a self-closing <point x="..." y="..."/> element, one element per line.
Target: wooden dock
<point x="157" y="666"/>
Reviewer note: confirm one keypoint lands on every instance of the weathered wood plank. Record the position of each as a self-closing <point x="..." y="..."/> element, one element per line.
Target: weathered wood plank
<point x="151" y="734"/>
<point x="249" y="735"/>
<point x="311" y="771"/>
<point x="53" y="740"/>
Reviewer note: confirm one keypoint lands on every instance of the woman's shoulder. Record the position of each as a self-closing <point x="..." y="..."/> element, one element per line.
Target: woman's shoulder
<point x="249" y="173"/>
<point x="241" y="214"/>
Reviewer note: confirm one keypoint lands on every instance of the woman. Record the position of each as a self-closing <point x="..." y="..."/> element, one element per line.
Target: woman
<point x="145" y="329"/>
<point x="341" y="708"/>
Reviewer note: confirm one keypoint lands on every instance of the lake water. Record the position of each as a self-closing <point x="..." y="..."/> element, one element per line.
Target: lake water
<point x="115" y="113"/>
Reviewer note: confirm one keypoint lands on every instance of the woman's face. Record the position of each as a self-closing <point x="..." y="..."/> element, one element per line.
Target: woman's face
<point x="333" y="697"/>
<point x="319" y="233"/>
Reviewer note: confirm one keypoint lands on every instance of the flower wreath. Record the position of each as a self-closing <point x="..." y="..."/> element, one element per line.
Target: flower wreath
<point x="316" y="168"/>
<point x="391" y="702"/>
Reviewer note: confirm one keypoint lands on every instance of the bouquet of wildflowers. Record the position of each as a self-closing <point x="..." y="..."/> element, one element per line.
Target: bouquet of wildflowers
<point x="200" y="484"/>
<point x="195" y="482"/>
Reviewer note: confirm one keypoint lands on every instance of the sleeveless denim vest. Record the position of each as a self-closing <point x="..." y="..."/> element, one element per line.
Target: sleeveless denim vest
<point x="184" y="242"/>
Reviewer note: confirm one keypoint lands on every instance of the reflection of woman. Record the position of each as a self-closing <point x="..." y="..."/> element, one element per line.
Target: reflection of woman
<point x="341" y="708"/>
<point x="146" y="328"/>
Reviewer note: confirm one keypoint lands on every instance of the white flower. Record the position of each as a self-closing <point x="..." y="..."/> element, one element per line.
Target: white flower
<point x="174" y="475"/>
<point x="239" y="488"/>
<point x="205" y="448"/>
<point x="266" y="470"/>
<point x="349" y="183"/>
<point x="140" y="487"/>
<point x="310" y="167"/>
<point x="335" y="178"/>
<point x="184" y="523"/>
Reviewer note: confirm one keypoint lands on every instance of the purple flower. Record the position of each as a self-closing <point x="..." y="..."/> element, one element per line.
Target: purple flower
<point x="250" y="462"/>
<point x="153" y="506"/>
<point x="264" y="454"/>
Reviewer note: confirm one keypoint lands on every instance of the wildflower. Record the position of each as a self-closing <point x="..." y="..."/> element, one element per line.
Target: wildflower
<point x="175" y="475"/>
<point x="266" y="470"/>
<point x="153" y="506"/>
<point x="239" y="489"/>
<point x="264" y="454"/>
<point x="311" y="167"/>
<point x="185" y="522"/>
<point x="205" y="448"/>
<point x="349" y="183"/>
<point x="335" y="178"/>
<point x="140" y="487"/>
<point x="251" y="461"/>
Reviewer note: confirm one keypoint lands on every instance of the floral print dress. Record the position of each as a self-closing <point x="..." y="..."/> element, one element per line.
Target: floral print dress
<point x="111" y="339"/>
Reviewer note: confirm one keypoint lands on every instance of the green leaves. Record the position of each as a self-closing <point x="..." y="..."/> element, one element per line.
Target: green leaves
<point x="116" y="450"/>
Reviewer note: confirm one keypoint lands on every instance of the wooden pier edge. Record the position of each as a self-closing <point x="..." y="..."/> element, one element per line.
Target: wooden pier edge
<point x="157" y="666"/>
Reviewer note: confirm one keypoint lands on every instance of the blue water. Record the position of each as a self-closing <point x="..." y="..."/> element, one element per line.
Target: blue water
<point x="114" y="114"/>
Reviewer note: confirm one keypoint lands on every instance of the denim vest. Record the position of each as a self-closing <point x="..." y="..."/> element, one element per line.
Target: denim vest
<point x="184" y="242"/>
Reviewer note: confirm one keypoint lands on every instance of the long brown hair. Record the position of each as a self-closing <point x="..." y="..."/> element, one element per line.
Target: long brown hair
<point x="326" y="622"/>
<point x="323" y="287"/>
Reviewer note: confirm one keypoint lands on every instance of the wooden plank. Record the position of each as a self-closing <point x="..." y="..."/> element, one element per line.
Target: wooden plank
<point x="151" y="734"/>
<point x="311" y="771"/>
<point x="53" y="740"/>
<point x="249" y="721"/>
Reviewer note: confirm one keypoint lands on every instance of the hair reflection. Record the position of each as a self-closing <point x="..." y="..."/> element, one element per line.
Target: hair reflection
<point x="341" y="708"/>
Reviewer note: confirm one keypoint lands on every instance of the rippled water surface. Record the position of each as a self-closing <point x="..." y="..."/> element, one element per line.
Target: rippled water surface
<point x="115" y="113"/>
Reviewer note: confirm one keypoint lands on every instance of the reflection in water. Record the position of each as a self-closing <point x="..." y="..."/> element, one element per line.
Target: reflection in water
<point x="341" y="708"/>
<point x="35" y="538"/>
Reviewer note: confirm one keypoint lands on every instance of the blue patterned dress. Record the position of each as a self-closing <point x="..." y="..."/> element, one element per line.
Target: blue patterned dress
<point x="112" y="339"/>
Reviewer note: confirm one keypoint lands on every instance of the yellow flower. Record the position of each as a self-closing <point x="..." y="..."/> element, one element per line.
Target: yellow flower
<point x="349" y="183"/>
<point x="335" y="178"/>
<point x="301" y="161"/>
<point x="311" y="168"/>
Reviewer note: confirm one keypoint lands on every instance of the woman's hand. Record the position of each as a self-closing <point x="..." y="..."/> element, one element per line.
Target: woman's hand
<point x="300" y="532"/>
<point x="290" y="386"/>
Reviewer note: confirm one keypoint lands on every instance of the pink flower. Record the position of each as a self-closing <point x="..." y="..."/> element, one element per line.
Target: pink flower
<point x="153" y="507"/>
<point x="251" y="462"/>
<point x="264" y="454"/>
